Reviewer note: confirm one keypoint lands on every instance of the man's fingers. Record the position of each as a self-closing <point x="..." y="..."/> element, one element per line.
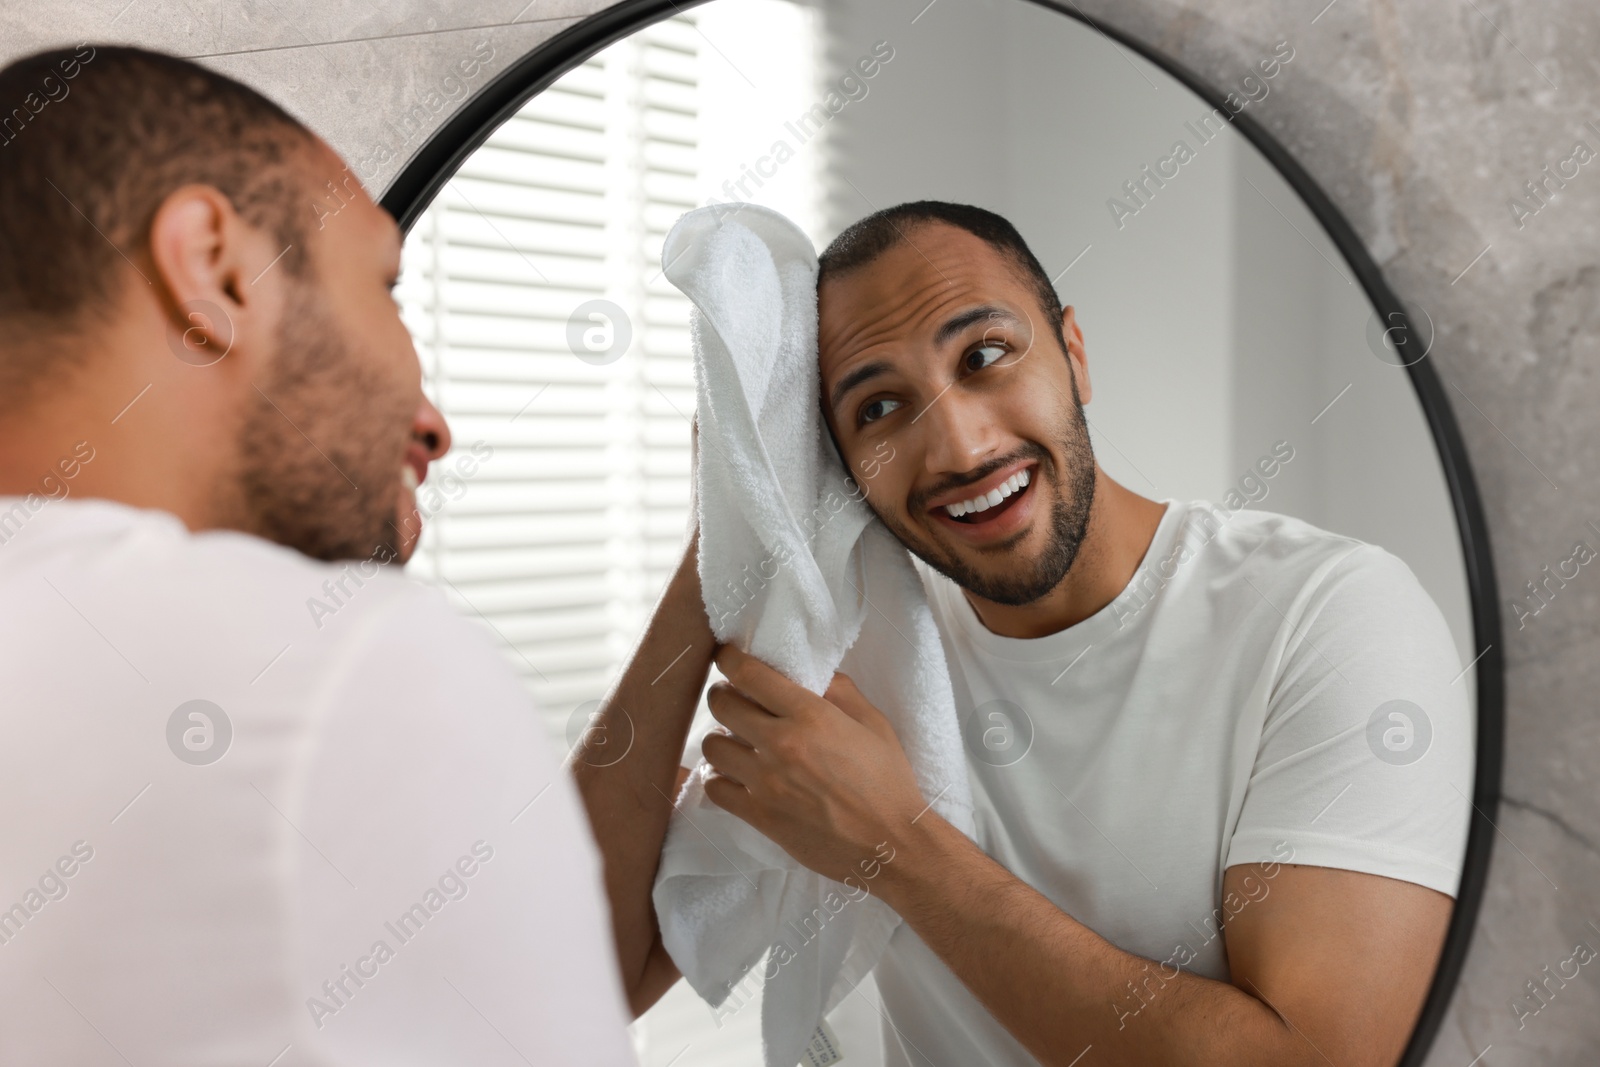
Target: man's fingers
<point x="729" y="757"/>
<point x="777" y="694"/>
<point x="728" y="795"/>
<point x="738" y="712"/>
<point x="843" y="694"/>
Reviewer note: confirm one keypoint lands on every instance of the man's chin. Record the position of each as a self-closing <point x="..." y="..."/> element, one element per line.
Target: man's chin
<point x="405" y="529"/>
<point x="1004" y="572"/>
<point x="1012" y="586"/>
<point x="404" y="535"/>
<point x="1023" y="568"/>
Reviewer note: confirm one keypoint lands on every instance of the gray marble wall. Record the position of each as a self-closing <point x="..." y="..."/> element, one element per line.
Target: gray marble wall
<point x="1423" y="121"/>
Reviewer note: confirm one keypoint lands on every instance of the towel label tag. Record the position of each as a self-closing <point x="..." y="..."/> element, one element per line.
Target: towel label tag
<point x="824" y="1048"/>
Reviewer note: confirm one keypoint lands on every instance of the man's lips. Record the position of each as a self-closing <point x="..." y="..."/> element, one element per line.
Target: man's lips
<point x="997" y="523"/>
<point x="984" y="487"/>
<point x="417" y="459"/>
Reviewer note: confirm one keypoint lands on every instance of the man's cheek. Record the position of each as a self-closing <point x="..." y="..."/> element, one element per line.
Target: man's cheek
<point x="869" y="466"/>
<point x="891" y="484"/>
<point x="886" y="493"/>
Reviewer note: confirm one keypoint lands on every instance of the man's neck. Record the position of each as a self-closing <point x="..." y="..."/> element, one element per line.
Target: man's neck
<point x="153" y="439"/>
<point x="1121" y="526"/>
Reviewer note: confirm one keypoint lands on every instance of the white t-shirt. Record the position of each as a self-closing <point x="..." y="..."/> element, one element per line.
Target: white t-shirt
<point x="1231" y="706"/>
<point x="384" y="866"/>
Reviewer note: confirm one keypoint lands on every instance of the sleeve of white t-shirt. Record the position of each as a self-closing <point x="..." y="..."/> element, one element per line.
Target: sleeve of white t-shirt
<point x="1365" y="760"/>
<point x="462" y="847"/>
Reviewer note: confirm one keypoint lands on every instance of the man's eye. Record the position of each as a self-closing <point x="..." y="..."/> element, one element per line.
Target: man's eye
<point x="873" y="410"/>
<point x="986" y="356"/>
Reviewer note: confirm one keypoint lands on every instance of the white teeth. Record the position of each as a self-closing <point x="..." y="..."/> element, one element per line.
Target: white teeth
<point x="408" y="477"/>
<point x="1011" y="485"/>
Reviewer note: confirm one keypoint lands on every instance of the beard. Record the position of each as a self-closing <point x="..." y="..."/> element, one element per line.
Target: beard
<point x="321" y="445"/>
<point x="1016" y="581"/>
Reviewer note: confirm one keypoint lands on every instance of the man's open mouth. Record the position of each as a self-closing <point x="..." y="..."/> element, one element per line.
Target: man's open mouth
<point x="988" y="504"/>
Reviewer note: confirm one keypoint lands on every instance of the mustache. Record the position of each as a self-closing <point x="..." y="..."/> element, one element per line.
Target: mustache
<point x="919" y="500"/>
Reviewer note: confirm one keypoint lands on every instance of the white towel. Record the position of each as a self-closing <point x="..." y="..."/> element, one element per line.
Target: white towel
<point x="796" y="570"/>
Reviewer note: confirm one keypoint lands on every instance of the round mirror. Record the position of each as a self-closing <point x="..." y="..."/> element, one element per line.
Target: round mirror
<point x="1243" y="347"/>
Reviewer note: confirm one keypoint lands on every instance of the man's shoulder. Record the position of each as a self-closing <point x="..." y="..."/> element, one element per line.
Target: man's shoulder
<point x="1270" y="544"/>
<point x="1296" y="565"/>
<point x="221" y="582"/>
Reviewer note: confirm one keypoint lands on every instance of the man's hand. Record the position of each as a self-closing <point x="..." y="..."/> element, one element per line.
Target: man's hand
<point x="822" y="776"/>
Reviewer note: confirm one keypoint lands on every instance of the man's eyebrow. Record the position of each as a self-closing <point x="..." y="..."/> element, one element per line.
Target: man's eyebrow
<point x="955" y="325"/>
<point x="862" y="374"/>
<point x="951" y="328"/>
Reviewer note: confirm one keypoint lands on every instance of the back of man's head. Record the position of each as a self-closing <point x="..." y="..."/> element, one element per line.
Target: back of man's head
<point x="161" y="285"/>
<point x="92" y="140"/>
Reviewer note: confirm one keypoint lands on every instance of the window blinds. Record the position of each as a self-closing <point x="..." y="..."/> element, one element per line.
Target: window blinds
<point x="561" y="539"/>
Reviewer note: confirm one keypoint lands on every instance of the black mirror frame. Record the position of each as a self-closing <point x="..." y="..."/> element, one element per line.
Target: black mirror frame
<point x="437" y="161"/>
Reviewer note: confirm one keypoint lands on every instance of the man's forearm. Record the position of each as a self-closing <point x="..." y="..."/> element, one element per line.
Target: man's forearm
<point x="629" y="799"/>
<point x="1059" y="987"/>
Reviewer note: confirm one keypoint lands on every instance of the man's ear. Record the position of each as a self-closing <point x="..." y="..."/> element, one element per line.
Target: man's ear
<point x="1077" y="355"/>
<point x="205" y="258"/>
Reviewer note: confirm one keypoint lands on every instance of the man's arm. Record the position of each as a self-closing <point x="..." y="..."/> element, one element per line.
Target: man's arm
<point x="629" y="800"/>
<point x="1329" y="965"/>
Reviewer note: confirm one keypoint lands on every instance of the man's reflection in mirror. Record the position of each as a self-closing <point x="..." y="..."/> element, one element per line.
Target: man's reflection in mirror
<point x="1212" y="747"/>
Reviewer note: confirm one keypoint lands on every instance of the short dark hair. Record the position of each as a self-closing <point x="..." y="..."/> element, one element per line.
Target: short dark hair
<point x="92" y="140"/>
<point x="866" y="240"/>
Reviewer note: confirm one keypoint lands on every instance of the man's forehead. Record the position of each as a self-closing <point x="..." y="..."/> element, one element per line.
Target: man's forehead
<point x="927" y="252"/>
<point x="931" y="272"/>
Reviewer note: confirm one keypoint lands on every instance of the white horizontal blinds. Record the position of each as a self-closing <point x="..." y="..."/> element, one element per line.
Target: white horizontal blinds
<point x="668" y="137"/>
<point x="561" y="540"/>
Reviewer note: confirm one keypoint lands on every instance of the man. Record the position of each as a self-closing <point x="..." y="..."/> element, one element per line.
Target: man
<point x="268" y="801"/>
<point x="1204" y="834"/>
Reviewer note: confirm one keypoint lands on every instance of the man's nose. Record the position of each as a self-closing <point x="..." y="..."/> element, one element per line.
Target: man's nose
<point x="429" y="429"/>
<point x="960" y="433"/>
